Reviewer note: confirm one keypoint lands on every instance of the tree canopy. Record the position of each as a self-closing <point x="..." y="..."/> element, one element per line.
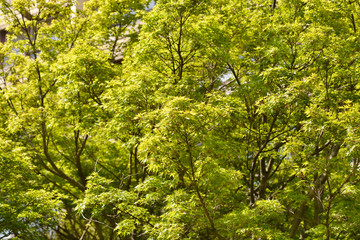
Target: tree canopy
<point x="211" y="119"/>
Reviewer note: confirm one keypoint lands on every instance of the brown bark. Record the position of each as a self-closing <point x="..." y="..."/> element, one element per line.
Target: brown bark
<point x="130" y="169"/>
<point x="273" y="6"/>
<point x="297" y="219"/>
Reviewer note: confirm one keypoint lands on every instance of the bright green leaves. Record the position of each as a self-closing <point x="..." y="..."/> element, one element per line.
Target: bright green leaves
<point x="172" y="45"/>
<point x="115" y="24"/>
<point x="183" y="146"/>
<point x="25" y="208"/>
<point x="127" y="209"/>
<point x="82" y="77"/>
<point x="227" y="119"/>
<point x="259" y="222"/>
<point x="53" y="78"/>
<point x="183" y="125"/>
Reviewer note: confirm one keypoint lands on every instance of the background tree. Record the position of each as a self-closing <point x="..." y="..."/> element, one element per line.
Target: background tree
<point x="226" y="120"/>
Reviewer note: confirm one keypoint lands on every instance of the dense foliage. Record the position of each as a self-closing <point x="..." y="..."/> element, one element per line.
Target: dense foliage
<point x="225" y="120"/>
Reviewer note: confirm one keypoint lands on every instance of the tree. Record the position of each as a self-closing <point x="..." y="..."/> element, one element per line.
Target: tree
<point x="54" y="75"/>
<point x="225" y="120"/>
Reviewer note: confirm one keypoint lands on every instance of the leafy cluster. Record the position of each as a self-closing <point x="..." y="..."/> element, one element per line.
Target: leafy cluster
<point x="211" y="119"/>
